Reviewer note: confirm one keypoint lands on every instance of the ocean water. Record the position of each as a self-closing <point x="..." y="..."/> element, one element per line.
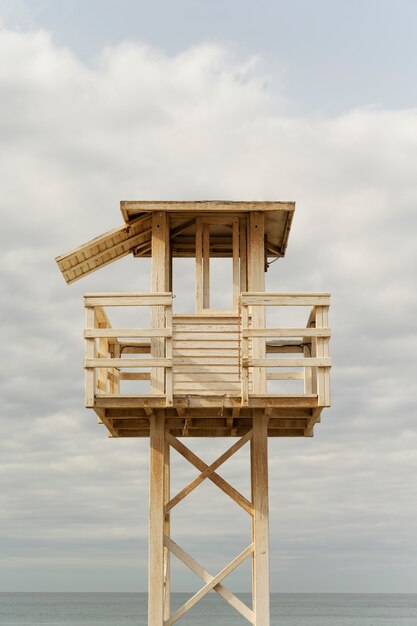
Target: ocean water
<point x="129" y="609"/>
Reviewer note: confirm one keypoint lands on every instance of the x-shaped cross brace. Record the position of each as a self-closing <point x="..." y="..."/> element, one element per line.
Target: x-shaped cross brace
<point x="211" y="582"/>
<point x="209" y="471"/>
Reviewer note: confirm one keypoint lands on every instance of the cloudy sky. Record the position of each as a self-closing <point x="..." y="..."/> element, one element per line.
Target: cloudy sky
<point x="308" y="101"/>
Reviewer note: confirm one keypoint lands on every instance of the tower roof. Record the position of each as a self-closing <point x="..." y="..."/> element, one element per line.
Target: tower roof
<point x="135" y="235"/>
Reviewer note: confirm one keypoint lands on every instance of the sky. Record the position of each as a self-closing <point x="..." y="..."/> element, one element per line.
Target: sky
<point x="307" y="101"/>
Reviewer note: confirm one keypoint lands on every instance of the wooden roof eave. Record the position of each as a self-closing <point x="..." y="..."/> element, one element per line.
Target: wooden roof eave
<point x="131" y="208"/>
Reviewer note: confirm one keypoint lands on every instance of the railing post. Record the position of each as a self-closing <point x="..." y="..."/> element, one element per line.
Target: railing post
<point x="169" y="355"/>
<point x="160" y="282"/>
<point x="323" y="390"/>
<point x="256" y="283"/>
<point x="90" y="372"/>
<point x="245" y="353"/>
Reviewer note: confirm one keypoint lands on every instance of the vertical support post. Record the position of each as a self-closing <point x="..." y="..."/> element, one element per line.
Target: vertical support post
<point x="245" y="355"/>
<point x="167" y="531"/>
<point x="160" y="282"/>
<point x="243" y="254"/>
<point x="236" y="273"/>
<point x="90" y="343"/>
<point x="169" y="383"/>
<point x="206" y="266"/>
<point x="256" y="283"/>
<point x="156" y="521"/>
<point x="260" y="524"/>
<point x="323" y="390"/>
<point x="198" y="265"/>
<point x="104" y="352"/>
<point x="115" y="373"/>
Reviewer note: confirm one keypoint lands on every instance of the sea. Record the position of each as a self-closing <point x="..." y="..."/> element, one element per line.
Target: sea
<point x="129" y="609"/>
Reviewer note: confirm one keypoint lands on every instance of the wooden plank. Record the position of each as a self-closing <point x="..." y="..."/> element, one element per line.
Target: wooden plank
<point x="129" y="207"/>
<point x="127" y="332"/>
<point x="190" y="329"/>
<point x="215" y="580"/>
<point x="220" y="317"/>
<point x="203" y="343"/>
<point x="121" y="300"/>
<point x="205" y="576"/>
<point x="285" y="299"/>
<point x="205" y="377"/>
<point x="286" y="332"/>
<point x="231" y="366"/>
<point x="198" y="353"/>
<point x="128" y="363"/>
<point x="259" y="473"/>
<point x="156" y="523"/>
<point x="291" y="362"/>
<point x="204" y="336"/>
<point x="205" y="385"/>
<point x="209" y="360"/>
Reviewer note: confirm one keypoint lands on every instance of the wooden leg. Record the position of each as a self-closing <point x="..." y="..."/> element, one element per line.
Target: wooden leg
<point x="259" y="479"/>
<point x="156" y="523"/>
<point x="167" y="532"/>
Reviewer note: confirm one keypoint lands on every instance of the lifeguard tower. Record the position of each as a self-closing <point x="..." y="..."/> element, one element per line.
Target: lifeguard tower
<point x="209" y="372"/>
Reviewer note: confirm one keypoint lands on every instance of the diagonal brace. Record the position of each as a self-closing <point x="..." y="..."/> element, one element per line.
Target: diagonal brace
<point x="215" y="478"/>
<point x="208" y="471"/>
<point x="206" y="577"/>
<point x="213" y="582"/>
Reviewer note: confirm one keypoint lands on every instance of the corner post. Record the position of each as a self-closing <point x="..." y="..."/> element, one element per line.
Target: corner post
<point x="160" y="283"/>
<point x="256" y="283"/>
<point x="156" y="521"/>
<point x="260" y="524"/>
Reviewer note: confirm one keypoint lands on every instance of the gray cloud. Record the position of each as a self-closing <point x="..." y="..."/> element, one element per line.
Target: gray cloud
<point x="77" y="139"/>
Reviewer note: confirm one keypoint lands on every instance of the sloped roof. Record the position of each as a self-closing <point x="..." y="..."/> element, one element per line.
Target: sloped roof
<point x="135" y="235"/>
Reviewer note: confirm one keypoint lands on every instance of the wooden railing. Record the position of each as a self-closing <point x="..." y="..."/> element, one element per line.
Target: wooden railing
<point x="302" y="353"/>
<point x="105" y="364"/>
<point x="312" y="342"/>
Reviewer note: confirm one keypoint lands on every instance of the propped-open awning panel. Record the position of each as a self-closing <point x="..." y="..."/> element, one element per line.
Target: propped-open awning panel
<point x="105" y="249"/>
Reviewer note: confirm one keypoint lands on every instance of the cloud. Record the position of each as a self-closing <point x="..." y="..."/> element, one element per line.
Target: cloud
<point x="202" y="125"/>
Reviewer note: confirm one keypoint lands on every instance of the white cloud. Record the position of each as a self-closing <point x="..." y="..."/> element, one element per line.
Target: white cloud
<point x="77" y="139"/>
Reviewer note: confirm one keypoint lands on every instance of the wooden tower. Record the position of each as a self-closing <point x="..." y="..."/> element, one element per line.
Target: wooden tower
<point x="209" y="373"/>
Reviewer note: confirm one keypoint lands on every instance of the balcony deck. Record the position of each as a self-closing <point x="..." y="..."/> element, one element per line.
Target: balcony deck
<point x="208" y="374"/>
